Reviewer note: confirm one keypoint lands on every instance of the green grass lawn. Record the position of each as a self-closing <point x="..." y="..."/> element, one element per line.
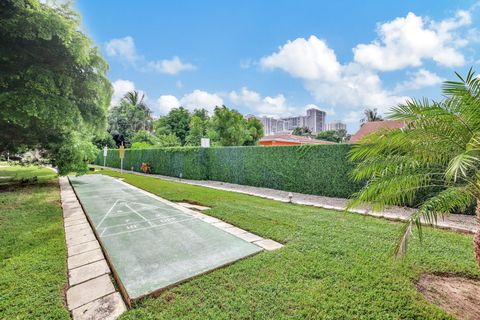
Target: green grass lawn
<point x="32" y="247"/>
<point x="333" y="266"/>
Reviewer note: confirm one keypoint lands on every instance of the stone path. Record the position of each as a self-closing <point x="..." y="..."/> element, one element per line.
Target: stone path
<point x="91" y="294"/>
<point x="455" y="222"/>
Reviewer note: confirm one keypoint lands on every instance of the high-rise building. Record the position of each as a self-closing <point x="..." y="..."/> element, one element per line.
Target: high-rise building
<point x="314" y="120"/>
<point x="272" y="125"/>
<point x="336" y="125"/>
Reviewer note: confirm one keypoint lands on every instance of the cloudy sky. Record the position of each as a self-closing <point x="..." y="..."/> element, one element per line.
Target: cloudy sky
<point x="279" y="57"/>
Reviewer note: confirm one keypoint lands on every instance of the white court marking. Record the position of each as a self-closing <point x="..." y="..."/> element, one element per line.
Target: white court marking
<point x="133" y="226"/>
<point x="139" y="229"/>
<point x="135" y="211"/>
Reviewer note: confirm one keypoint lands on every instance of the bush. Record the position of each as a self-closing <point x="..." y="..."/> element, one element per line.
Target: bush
<point x="313" y="169"/>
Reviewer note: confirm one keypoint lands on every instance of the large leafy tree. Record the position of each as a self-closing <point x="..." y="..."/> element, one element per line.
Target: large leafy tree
<point x="340" y="135"/>
<point x="438" y="148"/>
<point x="254" y="130"/>
<point x="228" y="127"/>
<point x="53" y="90"/>
<point x="197" y="130"/>
<point x="175" y="122"/>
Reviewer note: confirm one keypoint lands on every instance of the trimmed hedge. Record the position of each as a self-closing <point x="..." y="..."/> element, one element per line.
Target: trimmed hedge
<point x="312" y="169"/>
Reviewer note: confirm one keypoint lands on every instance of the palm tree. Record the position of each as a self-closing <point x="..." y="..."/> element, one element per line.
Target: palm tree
<point x="371" y="115"/>
<point x="439" y="148"/>
<point x="141" y="113"/>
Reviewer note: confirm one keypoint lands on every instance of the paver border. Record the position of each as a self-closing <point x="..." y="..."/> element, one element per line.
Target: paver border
<point x="111" y="308"/>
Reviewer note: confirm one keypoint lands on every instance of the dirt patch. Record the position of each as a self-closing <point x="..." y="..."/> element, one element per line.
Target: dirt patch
<point x="455" y="294"/>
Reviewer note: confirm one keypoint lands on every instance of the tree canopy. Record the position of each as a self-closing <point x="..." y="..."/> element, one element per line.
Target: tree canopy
<point x="175" y="122"/>
<point x="53" y="87"/>
<point x="226" y="127"/>
<point x="301" y="131"/>
<point x="339" y="136"/>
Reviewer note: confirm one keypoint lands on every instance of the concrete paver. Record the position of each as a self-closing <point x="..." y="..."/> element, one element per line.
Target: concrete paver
<point x="75" y="222"/>
<point x="87" y="272"/>
<point x="82" y="239"/>
<point x="78" y="227"/>
<point x="268" y="244"/>
<point x="223" y="225"/>
<point x="72" y="234"/>
<point x="84" y="258"/>
<point x="211" y="220"/>
<point x="250" y="237"/>
<point x="84" y="247"/>
<point x="234" y="230"/>
<point x="108" y="307"/>
<point x="89" y="291"/>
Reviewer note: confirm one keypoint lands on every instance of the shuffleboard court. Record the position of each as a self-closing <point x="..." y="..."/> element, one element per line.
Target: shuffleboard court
<point x="150" y="242"/>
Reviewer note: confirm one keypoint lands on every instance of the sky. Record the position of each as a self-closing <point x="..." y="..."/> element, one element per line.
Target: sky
<point x="278" y="57"/>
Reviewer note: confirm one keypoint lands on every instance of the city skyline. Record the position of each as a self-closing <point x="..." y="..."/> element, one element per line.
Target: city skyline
<point x="314" y="119"/>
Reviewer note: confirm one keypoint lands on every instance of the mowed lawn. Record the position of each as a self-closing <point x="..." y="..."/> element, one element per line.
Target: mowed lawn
<point x="32" y="247"/>
<point x="333" y="266"/>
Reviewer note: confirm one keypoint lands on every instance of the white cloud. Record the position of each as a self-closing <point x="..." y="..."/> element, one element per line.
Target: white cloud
<point x="201" y="99"/>
<point x="353" y="117"/>
<point x="172" y="66"/>
<point x="307" y="59"/>
<point x="193" y="100"/>
<point x="420" y="79"/>
<point x="407" y="41"/>
<point x="265" y="106"/>
<point x="124" y="49"/>
<point x="328" y="80"/>
<point x="166" y="103"/>
<point x="120" y="87"/>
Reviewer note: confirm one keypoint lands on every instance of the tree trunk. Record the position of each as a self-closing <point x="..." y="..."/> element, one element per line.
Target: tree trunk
<point x="477" y="235"/>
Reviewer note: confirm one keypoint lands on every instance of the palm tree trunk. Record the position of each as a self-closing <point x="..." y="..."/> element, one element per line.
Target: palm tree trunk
<point x="477" y="235"/>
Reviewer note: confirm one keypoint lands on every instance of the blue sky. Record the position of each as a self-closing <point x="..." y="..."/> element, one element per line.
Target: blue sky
<point x="279" y="57"/>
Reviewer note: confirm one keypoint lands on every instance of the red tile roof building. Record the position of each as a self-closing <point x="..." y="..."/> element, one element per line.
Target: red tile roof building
<point x="369" y="127"/>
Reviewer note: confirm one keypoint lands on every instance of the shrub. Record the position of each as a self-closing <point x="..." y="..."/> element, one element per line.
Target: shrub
<point x="313" y="169"/>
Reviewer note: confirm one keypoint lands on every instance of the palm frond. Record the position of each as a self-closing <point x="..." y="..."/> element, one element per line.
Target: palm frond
<point x="447" y="201"/>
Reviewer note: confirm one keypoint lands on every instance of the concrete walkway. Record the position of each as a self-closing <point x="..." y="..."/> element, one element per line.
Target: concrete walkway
<point x="91" y="294"/>
<point x="455" y="222"/>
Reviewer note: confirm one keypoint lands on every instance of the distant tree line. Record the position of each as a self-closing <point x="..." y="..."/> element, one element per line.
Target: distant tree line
<point x="130" y="122"/>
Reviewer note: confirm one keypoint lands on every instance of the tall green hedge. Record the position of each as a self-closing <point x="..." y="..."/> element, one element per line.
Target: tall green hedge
<point x="313" y="169"/>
